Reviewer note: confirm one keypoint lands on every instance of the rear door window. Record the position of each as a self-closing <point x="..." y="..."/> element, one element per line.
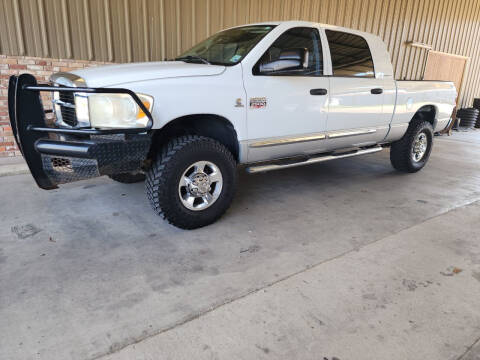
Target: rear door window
<point x="350" y="54"/>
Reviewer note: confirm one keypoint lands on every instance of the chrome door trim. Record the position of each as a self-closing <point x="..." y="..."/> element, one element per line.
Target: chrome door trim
<point x="352" y="132"/>
<point x="315" y="137"/>
<point x="288" y="140"/>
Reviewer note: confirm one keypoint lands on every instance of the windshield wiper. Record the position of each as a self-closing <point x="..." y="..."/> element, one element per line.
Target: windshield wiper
<point x="193" y="57"/>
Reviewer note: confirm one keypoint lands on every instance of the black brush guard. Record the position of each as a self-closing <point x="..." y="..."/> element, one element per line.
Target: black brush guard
<point x="57" y="155"/>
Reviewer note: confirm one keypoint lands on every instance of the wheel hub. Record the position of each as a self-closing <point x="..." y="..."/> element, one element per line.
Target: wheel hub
<point x="200" y="184"/>
<point x="420" y="145"/>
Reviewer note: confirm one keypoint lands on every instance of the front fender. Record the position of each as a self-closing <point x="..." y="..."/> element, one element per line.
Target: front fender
<point x="221" y="95"/>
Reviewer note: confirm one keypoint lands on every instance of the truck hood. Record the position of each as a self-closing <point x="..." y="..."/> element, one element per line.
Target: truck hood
<point x="110" y="75"/>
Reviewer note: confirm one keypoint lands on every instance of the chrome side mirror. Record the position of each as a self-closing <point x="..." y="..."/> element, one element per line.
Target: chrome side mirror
<point x="289" y="59"/>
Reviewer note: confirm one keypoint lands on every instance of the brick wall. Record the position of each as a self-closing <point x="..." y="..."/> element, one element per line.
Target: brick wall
<point x="41" y="68"/>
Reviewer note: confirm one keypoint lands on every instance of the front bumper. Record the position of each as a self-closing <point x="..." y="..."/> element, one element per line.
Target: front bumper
<point x="62" y="155"/>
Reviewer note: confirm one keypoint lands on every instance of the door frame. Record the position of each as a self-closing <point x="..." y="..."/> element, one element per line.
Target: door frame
<point x="356" y="135"/>
<point x="291" y="144"/>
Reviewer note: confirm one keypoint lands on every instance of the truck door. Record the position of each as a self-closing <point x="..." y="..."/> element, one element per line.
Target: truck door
<point x="287" y="108"/>
<point x="356" y="104"/>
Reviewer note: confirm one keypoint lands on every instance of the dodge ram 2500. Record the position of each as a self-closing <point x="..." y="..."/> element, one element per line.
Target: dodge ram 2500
<point x="269" y="96"/>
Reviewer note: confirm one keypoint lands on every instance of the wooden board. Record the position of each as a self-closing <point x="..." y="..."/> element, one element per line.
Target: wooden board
<point x="443" y="66"/>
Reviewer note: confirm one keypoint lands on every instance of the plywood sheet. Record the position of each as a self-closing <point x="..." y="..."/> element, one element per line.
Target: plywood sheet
<point x="443" y="66"/>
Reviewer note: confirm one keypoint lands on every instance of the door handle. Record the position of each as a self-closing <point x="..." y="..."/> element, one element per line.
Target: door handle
<point x="376" y="91"/>
<point x="318" y="92"/>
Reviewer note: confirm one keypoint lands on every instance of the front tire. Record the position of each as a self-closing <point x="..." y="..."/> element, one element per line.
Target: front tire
<point x="192" y="182"/>
<point x="412" y="151"/>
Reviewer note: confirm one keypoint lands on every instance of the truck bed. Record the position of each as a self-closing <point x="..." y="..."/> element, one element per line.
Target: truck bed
<point x="413" y="94"/>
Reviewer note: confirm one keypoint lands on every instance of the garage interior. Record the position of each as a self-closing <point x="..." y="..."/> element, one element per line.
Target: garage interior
<point x="339" y="260"/>
<point x="47" y="36"/>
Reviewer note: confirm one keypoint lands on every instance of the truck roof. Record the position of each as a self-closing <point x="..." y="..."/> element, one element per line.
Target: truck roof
<point x="378" y="48"/>
<point x="311" y="23"/>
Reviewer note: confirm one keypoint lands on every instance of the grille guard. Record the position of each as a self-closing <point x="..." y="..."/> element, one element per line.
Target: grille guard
<point x="33" y="136"/>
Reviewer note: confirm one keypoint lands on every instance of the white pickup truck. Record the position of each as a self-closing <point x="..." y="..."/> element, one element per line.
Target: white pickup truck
<point x="269" y="96"/>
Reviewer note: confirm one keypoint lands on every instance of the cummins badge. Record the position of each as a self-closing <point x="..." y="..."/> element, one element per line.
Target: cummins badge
<point x="258" y="102"/>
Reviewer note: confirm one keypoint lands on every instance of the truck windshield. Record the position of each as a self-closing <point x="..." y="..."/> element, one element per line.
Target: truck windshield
<point x="227" y="47"/>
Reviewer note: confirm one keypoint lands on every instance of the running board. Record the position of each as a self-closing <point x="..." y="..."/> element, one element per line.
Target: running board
<point x="313" y="160"/>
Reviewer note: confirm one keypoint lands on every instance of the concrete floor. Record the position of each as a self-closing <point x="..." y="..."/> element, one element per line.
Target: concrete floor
<point x="14" y="165"/>
<point x="346" y="259"/>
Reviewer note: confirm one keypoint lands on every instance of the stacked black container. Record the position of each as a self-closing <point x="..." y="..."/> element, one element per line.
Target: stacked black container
<point x="468" y="117"/>
<point x="476" y="105"/>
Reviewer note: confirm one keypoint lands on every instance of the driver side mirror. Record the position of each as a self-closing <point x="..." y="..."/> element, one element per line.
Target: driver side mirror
<point x="289" y="59"/>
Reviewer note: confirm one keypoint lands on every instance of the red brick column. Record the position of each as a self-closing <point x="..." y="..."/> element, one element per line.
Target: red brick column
<point x="41" y="68"/>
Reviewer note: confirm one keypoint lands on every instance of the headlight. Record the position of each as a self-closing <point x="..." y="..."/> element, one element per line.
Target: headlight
<point x="115" y="110"/>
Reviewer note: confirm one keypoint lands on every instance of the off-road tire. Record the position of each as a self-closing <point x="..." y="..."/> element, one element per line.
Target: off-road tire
<point x="163" y="178"/>
<point x="128" y="178"/>
<point x="400" y="151"/>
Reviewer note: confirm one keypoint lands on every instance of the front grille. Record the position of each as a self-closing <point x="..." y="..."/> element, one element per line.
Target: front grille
<point x="69" y="116"/>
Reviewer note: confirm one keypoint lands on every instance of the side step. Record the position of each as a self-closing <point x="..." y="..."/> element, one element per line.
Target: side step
<point x="313" y="160"/>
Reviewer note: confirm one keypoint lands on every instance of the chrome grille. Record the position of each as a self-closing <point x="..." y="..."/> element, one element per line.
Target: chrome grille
<point x="65" y="105"/>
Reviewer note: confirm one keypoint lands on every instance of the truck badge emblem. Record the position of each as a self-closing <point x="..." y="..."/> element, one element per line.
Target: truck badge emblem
<point x="258" y="102"/>
<point x="238" y="102"/>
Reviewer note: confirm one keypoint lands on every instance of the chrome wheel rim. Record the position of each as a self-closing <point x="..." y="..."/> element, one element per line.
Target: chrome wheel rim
<point x="419" y="148"/>
<point x="200" y="185"/>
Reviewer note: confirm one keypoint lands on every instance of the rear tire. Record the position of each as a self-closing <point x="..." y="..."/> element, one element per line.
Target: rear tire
<point x="412" y="151"/>
<point x="192" y="182"/>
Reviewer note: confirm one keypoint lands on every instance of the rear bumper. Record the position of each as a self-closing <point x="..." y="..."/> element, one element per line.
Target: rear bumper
<point x="62" y="155"/>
